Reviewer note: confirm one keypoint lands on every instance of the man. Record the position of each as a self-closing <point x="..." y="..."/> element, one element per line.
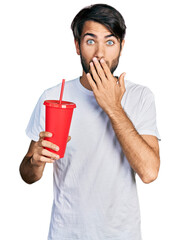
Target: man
<point x="114" y="136"/>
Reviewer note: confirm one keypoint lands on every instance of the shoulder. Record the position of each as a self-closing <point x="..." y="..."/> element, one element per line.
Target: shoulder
<point x="137" y="92"/>
<point x="135" y="88"/>
<point x="54" y="92"/>
<point x="136" y="98"/>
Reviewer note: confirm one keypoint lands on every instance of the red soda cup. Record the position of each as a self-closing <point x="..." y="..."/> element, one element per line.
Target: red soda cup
<point x="58" y="120"/>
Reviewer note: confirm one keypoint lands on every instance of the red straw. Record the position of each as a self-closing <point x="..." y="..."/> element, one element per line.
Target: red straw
<point x="62" y="90"/>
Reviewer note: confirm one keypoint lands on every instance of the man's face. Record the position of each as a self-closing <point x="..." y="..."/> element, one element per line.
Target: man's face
<point x="98" y="41"/>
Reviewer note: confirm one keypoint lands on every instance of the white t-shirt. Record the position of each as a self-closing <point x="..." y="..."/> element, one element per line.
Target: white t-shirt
<point x="95" y="195"/>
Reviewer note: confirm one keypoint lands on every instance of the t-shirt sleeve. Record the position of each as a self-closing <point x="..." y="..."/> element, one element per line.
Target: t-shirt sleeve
<point x="37" y="121"/>
<point x="146" y="121"/>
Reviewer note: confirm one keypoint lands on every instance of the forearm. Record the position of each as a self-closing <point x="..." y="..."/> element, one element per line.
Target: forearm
<point x="140" y="155"/>
<point x="31" y="173"/>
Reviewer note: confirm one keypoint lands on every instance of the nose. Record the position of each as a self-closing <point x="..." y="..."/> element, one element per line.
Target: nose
<point x="99" y="53"/>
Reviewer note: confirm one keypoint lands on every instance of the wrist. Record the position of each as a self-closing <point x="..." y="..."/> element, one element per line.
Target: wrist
<point x="115" y="110"/>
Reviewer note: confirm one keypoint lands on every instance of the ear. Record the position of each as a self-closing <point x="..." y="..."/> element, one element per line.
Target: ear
<point x="77" y="46"/>
<point x="122" y="45"/>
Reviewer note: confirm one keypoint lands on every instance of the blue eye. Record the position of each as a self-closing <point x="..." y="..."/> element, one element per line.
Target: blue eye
<point x="110" y="42"/>
<point x="90" y="41"/>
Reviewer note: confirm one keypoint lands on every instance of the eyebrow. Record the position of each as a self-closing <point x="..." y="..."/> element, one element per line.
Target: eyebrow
<point x="94" y="36"/>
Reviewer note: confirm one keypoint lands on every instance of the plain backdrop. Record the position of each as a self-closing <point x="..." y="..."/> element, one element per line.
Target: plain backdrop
<point x="36" y="52"/>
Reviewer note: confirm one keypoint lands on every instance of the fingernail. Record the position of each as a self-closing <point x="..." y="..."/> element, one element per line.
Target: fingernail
<point x="94" y="59"/>
<point x="49" y="134"/>
<point x="57" y="156"/>
<point x="102" y="60"/>
<point x="57" y="148"/>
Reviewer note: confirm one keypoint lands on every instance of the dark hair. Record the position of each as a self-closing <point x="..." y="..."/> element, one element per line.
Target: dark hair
<point x="101" y="13"/>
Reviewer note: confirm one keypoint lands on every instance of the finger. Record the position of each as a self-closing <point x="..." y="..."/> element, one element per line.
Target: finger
<point x="69" y="138"/>
<point x="121" y="81"/>
<point x="44" y="152"/>
<point x="99" y="69"/>
<point x="46" y="160"/>
<point x="38" y="160"/>
<point x="45" y="134"/>
<point x="91" y="82"/>
<point x="106" y="69"/>
<point x="47" y="144"/>
<point x="95" y="75"/>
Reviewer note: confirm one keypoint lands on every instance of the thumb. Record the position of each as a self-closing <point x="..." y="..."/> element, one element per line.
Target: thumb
<point x="69" y="138"/>
<point x="121" y="81"/>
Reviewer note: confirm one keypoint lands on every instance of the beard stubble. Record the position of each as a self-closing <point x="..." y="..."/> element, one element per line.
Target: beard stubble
<point x="86" y="65"/>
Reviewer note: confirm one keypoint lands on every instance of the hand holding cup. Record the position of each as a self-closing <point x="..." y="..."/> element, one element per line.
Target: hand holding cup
<point x="41" y="154"/>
